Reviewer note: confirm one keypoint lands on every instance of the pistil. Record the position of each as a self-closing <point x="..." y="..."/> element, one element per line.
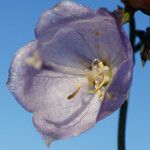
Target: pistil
<point x="98" y="77"/>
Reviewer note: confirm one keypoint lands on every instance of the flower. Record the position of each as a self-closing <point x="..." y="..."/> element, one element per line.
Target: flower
<point x="143" y="5"/>
<point x="76" y="72"/>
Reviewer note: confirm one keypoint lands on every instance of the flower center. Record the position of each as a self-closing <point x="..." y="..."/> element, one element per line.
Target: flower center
<point x="99" y="76"/>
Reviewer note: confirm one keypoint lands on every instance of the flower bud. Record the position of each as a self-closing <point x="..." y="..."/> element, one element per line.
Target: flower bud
<point x="143" y="5"/>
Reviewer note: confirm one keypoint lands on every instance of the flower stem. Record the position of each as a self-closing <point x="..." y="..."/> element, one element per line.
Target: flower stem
<point x="132" y="31"/>
<point x="124" y="108"/>
<point x="122" y="126"/>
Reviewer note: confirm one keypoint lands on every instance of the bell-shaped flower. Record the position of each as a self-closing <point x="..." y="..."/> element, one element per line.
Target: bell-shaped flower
<point x="76" y="72"/>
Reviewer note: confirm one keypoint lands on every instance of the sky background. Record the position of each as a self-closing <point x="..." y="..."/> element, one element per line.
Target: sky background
<point x="17" y="22"/>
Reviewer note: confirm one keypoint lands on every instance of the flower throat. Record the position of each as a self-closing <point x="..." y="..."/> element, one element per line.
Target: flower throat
<point x="98" y="77"/>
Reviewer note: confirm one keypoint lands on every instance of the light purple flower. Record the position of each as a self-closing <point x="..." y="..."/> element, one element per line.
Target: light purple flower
<point x="76" y="72"/>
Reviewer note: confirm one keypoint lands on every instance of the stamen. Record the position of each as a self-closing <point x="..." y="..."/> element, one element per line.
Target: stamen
<point x="34" y="60"/>
<point x="100" y="64"/>
<point x="98" y="77"/>
<point x="103" y="82"/>
<point x="71" y="96"/>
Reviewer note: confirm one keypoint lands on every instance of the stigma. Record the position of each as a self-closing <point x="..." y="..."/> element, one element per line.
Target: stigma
<point x="99" y="76"/>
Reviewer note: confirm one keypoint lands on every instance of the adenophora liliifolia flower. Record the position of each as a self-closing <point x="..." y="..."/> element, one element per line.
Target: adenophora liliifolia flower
<point x="76" y="72"/>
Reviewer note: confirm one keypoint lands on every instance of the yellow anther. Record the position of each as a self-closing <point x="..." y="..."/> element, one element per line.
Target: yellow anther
<point x="101" y="66"/>
<point x="98" y="77"/>
<point x="99" y="92"/>
<point x="92" y="91"/>
<point x="96" y="90"/>
<point x="34" y="60"/>
<point x="71" y="96"/>
<point x="90" y="78"/>
<point x="103" y="81"/>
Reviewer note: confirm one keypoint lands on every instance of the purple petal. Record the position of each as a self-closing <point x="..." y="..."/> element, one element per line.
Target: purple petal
<point x="67" y="125"/>
<point x="21" y="76"/>
<point x="67" y="49"/>
<point x="30" y="85"/>
<point x="116" y="94"/>
<point x="111" y="18"/>
<point x="111" y="104"/>
<point x="59" y="16"/>
<point x="45" y="93"/>
<point x="79" y="43"/>
<point x="97" y="33"/>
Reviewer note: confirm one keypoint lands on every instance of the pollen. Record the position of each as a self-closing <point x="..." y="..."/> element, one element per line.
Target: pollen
<point x="98" y="78"/>
<point x="34" y="60"/>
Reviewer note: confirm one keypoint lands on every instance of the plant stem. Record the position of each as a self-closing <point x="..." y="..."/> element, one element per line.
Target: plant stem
<point x="124" y="108"/>
<point x="122" y="126"/>
<point x="132" y="31"/>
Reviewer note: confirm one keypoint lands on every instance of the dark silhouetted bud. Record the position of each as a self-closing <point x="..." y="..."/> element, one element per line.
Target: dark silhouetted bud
<point x="143" y="5"/>
<point x="144" y="44"/>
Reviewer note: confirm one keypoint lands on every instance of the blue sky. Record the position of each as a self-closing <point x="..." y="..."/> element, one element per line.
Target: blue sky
<point x="17" y="22"/>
